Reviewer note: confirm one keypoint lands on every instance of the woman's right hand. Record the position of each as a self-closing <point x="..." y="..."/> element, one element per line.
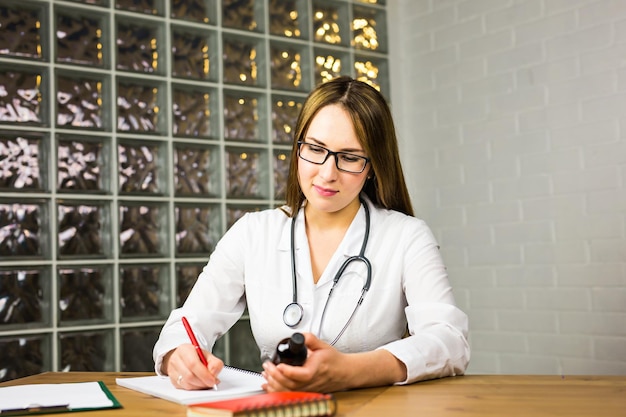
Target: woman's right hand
<point x="186" y="371"/>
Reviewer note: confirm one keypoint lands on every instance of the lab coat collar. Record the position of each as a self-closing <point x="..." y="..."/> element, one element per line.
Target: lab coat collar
<point x="349" y="246"/>
<point x="284" y="243"/>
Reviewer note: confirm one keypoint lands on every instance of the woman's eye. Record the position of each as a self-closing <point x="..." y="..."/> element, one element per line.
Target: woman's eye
<point x="350" y="158"/>
<point x="316" y="149"/>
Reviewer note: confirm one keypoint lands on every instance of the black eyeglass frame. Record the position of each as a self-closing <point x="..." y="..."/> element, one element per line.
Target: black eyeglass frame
<point x="335" y="154"/>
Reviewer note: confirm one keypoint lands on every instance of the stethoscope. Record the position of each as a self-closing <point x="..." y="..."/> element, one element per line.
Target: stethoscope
<point x="293" y="314"/>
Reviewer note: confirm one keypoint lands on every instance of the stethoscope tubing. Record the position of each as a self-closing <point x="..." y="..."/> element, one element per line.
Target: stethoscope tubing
<point x="293" y="313"/>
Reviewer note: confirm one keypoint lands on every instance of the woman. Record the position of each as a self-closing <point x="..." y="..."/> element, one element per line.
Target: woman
<point x="347" y="215"/>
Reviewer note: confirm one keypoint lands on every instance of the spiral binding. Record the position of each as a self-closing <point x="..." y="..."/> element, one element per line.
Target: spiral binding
<point x="320" y="407"/>
<point x="245" y="371"/>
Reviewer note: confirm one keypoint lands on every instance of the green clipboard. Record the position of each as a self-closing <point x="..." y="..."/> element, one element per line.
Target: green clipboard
<point x="35" y="410"/>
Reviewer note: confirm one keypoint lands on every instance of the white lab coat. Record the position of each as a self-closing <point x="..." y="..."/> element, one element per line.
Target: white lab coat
<point x="251" y="266"/>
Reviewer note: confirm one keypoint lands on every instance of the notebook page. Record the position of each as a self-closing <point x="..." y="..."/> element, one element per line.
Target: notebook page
<point x="234" y="383"/>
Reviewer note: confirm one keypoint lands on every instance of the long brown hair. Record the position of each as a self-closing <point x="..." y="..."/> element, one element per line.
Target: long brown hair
<point x="375" y="130"/>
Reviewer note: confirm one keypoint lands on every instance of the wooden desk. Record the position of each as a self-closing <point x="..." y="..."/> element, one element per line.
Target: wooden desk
<point x="468" y="396"/>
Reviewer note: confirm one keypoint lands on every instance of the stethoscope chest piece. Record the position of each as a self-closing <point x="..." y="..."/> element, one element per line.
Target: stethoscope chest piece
<point x="292" y="316"/>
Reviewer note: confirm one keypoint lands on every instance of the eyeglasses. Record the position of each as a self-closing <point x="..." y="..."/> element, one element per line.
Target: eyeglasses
<point x="344" y="161"/>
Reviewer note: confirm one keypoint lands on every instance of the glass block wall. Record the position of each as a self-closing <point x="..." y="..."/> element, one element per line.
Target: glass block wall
<point x="133" y="133"/>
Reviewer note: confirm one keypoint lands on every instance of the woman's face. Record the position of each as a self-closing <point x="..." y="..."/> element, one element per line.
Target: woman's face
<point x="325" y="187"/>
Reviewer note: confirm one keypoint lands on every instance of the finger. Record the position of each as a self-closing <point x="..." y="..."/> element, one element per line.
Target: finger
<point x="215" y="365"/>
<point x="206" y="376"/>
<point x="290" y="373"/>
<point x="187" y="371"/>
<point x="193" y="378"/>
<point x="187" y="381"/>
<point x="277" y="378"/>
<point x="272" y="384"/>
<point x="313" y="343"/>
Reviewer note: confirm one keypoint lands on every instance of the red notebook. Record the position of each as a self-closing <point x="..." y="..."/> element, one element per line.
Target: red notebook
<point x="290" y="403"/>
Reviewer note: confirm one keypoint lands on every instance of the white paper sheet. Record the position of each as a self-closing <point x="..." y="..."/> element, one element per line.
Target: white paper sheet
<point x="76" y="395"/>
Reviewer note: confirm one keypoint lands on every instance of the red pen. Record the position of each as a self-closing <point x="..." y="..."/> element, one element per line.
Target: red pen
<point x="194" y="341"/>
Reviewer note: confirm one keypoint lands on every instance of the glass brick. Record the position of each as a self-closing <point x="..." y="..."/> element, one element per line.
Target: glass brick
<point x="104" y="3"/>
<point x="80" y="230"/>
<point x="80" y="101"/>
<point x="138" y="107"/>
<point x="22" y="356"/>
<point x="137" y="347"/>
<point x="243" y="114"/>
<point x="197" y="229"/>
<point x="186" y="277"/>
<point x="196" y="170"/>
<point x="22" y="161"/>
<point x="85" y="295"/>
<point x="138" y="167"/>
<point x="370" y="71"/>
<point x="21" y="96"/>
<point x="202" y="11"/>
<point x="287" y="18"/>
<point x="244" y="352"/>
<point x="194" y="111"/>
<point x="236" y="211"/>
<point x="193" y="53"/>
<point x="143" y="292"/>
<point x="329" y="64"/>
<point x="220" y="147"/>
<point x="138" y="46"/>
<point x="367" y="23"/>
<point x="90" y="351"/>
<point x="24" y="297"/>
<point x="80" y="165"/>
<point x="245" y="174"/>
<point x="286" y="67"/>
<point x="330" y="22"/>
<point x="285" y="111"/>
<point x="243" y="14"/>
<point x="242" y="61"/>
<point x="21" y="229"/>
<point x="281" y="173"/>
<point x="153" y="7"/>
<point x="80" y="38"/>
<point x="141" y="230"/>
<point x="23" y="27"/>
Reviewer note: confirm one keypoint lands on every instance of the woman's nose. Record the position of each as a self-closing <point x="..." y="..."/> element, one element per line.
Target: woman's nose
<point x="328" y="170"/>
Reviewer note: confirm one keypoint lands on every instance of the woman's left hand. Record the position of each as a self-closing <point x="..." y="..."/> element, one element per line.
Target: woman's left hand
<point x="328" y="370"/>
<point x="325" y="370"/>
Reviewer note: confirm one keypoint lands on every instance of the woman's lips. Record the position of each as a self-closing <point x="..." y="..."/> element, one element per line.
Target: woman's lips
<point x="326" y="192"/>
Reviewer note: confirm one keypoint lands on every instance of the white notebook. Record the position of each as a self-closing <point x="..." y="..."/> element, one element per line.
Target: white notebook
<point x="234" y="382"/>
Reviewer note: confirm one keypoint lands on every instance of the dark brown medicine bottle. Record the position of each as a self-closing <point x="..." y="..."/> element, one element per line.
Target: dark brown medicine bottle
<point x="291" y="350"/>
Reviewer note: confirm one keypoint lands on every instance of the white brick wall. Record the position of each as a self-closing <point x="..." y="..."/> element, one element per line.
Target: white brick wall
<point x="512" y="121"/>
